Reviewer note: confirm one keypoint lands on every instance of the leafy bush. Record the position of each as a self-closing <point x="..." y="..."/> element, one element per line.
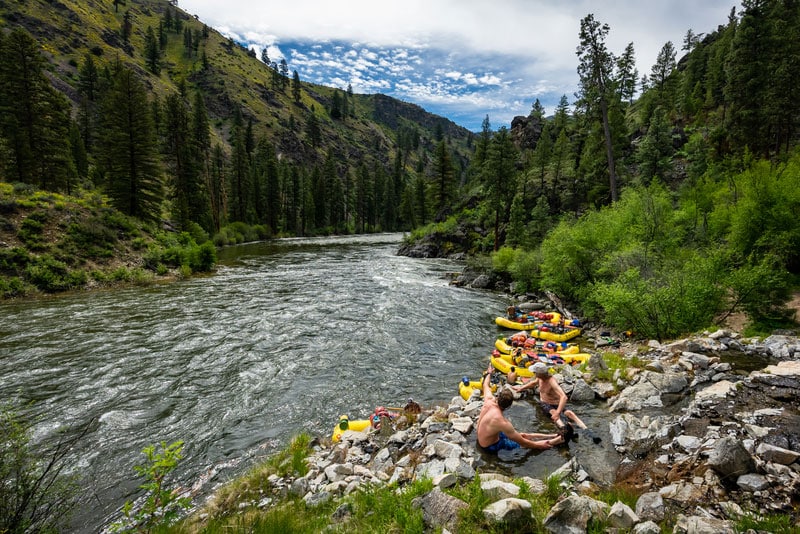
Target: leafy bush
<point x="162" y="504"/>
<point x="11" y="287"/>
<point x="31" y="232"/>
<point x="91" y="238"/>
<point x="14" y="260"/>
<point x="502" y="259"/>
<point x="35" y="493"/>
<point x="48" y="274"/>
<point x="672" y="302"/>
<point x="526" y="270"/>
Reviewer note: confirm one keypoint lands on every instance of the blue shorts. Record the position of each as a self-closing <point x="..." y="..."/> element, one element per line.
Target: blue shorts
<point x="504" y="443"/>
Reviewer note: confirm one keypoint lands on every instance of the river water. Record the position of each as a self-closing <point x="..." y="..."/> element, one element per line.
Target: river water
<point x="283" y="338"/>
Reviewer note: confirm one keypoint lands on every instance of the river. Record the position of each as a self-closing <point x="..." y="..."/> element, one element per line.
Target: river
<point x="284" y="337"/>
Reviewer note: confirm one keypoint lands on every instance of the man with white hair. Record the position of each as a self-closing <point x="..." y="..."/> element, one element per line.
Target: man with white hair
<point x="552" y="398"/>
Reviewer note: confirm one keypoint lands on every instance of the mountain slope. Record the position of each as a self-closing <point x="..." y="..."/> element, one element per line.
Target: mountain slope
<point x="228" y="76"/>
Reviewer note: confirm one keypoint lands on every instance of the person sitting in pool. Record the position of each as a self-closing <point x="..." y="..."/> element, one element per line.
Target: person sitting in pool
<point x="553" y="400"/>
<point x="495" y="432"/>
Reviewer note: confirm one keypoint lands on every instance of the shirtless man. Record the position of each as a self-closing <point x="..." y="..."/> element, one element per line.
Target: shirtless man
<point x="552" y="398"/>
<point x="495" y="432"/>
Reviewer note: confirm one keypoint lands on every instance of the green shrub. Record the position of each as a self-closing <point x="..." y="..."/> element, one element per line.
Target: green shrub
<point x="35" y="493"/>
<point x="526" y="270"/>
<point x="91" y="238"/>
<point x="14" y="260"/>
<point x="31" y="232"/>
<point x="162" y="504"/>
<point x="676" y="297"/>
<point x="12" y="287"/>
<point x="48" y="274"/>
<point x="203" y="257"/>
<point x="502" y="260"/>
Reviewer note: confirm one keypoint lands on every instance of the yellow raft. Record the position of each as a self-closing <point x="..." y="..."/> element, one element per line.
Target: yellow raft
<point x="527" y="323"/>
<point x="501" y="345"/>
<point x="555" y="359"/>
<point x="467" y="387"/>
<point x="504" y="363"/>
<point x="344" y="424"/>
<point x="553" y="336"/>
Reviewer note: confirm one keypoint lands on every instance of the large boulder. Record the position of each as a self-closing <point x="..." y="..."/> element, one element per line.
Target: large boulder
<point x="730" y="459"/>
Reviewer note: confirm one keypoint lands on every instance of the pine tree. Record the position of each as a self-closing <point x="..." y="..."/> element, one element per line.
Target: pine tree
<point x="240" y="185"/>
<point x="127" y="149"/>
<point x="34" y="118"/>
<point x="627" y="75"/>
<point x="152" y="52"/>
<point x="500" y="179"/>
<point x="201" y="204"/>
<point x="595" y="70"/>
<point x="181" y="162"/>
<point x="296" y="88"/>
<point x="443" y="176"/>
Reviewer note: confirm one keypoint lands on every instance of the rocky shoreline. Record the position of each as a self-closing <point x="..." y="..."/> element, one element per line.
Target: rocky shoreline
<point x="731" y="446"/>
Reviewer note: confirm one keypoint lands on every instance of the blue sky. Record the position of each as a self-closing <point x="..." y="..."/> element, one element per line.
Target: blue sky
<point x="462" y="59"/>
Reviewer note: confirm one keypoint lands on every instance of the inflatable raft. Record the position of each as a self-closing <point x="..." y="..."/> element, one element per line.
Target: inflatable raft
<point x="345" y="424"/>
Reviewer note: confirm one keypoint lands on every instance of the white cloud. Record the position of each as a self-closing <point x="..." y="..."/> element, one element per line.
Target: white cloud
<point x="523" y="47"/>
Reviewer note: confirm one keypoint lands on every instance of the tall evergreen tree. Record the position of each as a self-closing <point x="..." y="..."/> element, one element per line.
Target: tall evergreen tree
<point x="595" y="69"/>
<point x="201" y="205"/>
<point x="180" y="158"/>
<point x="128" y="149"/>
<point x="443" y="177"/>
<point x="627" y="75"/>
<point x="296" y="88"/>
<point x="482" y="146"/>
<point x="240" y="186"/>
<point x="500" y="179"/>
<point x="152" y="52"/>
<point x="34" y="118"/>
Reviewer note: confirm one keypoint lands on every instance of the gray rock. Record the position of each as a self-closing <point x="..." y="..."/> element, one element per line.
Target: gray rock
<point x="752" y="482"/>
<point x="650" y="506"/>
<point x="496" y="490"/>
<point x="729" y="458"/>
<point x="509" y="512"/>
<point x="572" y="515"/>
<point x="315" y="499"/>
<point x="621" y="516"/>
<point x="779" y="455"/>
<point x="702" y="525"/>
<point x="439" y="509"/>
<point x="445" y="449"/>
<point x="581" y="392"/>
<point x="648" y="527"/>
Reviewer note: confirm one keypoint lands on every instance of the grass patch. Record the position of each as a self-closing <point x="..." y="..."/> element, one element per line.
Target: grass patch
<point x="618" y="365"/>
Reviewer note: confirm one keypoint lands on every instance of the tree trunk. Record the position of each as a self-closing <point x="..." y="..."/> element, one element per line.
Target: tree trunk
<point x="612" y="173"/>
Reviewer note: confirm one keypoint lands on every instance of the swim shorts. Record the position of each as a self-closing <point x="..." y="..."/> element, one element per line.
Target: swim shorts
<point x="504" y="443"/>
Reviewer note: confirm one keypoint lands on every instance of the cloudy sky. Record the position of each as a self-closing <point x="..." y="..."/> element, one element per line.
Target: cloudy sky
<point x="462" y="59"/>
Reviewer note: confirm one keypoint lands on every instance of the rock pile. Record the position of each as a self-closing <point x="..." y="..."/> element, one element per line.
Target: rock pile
<point x="702" y="444"/>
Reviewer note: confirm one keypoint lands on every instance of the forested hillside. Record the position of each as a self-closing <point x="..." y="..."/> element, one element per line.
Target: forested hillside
<point x="658" y="202"/>
<point x="184" y="129"/>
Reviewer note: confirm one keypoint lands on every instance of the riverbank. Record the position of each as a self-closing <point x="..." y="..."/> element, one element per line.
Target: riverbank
<point x="705" y="447"/>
